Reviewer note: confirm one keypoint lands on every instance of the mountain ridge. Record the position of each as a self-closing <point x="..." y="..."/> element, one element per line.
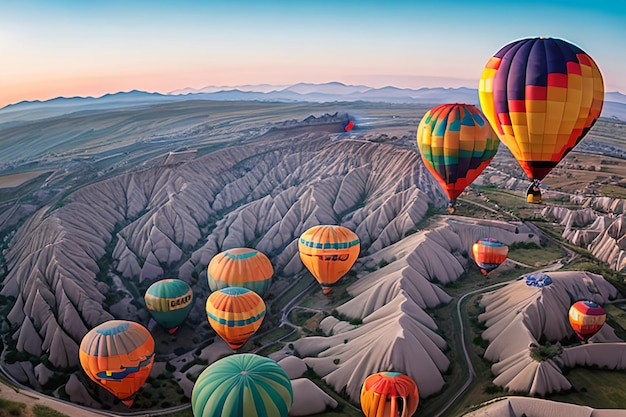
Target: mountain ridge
<point x="615" y="102"/>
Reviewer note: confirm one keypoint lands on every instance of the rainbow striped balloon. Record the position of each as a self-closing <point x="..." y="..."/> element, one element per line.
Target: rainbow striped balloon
<point x="541" y="96"/>
<point x="169" y="301"/>
<point x="586" y="318"/>
<point x="456" y="144"/>
<point x="386" y="394"/>
<point x="240" y="267"/>
<point x="235" y="313"/>
<point x="242" y="385"/>
<point x="118" y="356"/>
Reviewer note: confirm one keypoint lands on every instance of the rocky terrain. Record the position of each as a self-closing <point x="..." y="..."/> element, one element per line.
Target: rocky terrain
<point x="518" y="316"/>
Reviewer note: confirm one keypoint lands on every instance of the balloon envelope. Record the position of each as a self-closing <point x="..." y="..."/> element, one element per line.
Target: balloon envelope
<point x="118" y="356"/>
<point x="541" y="96"/>
<point x="456" y="143"/>
<point x="242" y="385"/>
<point x="240" y="267"/>
<point x="489" y="254"/>
<point x="328" y="252"/>
<point x="389" y="394"/>
<point x="235" y="313"/>
<point x="586" y="318"/>
<point x="169" y="301"/>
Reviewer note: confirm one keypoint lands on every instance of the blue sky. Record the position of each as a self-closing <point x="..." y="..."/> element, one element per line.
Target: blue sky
<point x="69" y="48"/>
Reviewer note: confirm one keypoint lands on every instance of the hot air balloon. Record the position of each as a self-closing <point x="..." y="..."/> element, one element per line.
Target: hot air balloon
<point x="242" y="385"/>
<point x="349" y="126"/>
<point x="537" y="279"/>
<point x="389" y="394"/>
<point x="169" y="302"/>
<point x="118" y="356"/>
<point x="456" y="144"/>
<point x="586" y="318"/>
<point x="235" y="313"/>
<point x="489" y="254"/>
<point x="541" y="96"/>
<point x="240" y="267"/>
<point x="328" y="252"/>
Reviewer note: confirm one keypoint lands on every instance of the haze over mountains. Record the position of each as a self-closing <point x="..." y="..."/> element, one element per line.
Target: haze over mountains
<point x="614" y="106"/>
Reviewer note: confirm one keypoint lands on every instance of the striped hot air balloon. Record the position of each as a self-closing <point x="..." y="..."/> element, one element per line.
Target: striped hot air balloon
<point x="541" y="96"/>
<point x="489" y="254"/>
<point x="389" y="394"/>
<point x="586" y="318"/>
<point x="242" y="385"/>
<point x="169" y="301"/>
<point x="240" y="267"/>
<point x="456" y="144"/>
<point x="328" y="252"/>
<point x="118" y="356"/>
<point x="235" y="313"/>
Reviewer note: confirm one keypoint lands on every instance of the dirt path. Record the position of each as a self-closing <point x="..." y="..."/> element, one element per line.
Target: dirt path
<point x="31" y="399"/>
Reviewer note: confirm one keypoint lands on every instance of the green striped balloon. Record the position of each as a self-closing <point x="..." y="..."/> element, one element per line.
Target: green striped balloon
<point x="169" y="301"/>
<point x="242" y="385"/>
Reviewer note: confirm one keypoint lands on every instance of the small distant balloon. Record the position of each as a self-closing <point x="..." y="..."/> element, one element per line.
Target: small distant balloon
<point x="349" y="126"/>
<point x="235" y="313"/>
<point x="169" y="301"/>
<point x="489" y="254"/>
<point x="242" y="385"/>
<point x="389" y="394"/>
<point x="328" y="252"/>
<point x="240" y="267"/>
<point x="586" y="318"/>
<point x="118" y="356"/>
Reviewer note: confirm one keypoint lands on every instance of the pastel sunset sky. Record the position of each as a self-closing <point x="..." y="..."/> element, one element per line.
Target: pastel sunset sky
<point x="90" y="48"/>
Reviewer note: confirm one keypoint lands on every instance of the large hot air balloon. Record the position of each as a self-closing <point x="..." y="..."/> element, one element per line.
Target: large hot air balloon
<point x="242" y="385"/>
<point x="118" y="356"/>
<point x="389" y="394"/>
<point x="169" y="302"/>
<point x="456" y="144"/>
<point x="586" y="318"/>
<point x="240" y="267"/>
<point x="328" y="252"/>
<point x="235" y="313"/>
<point x="489" y="254"/>
<point x="541" y="96"/>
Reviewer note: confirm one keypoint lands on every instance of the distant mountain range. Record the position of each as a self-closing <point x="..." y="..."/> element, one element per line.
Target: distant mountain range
<point x="614" y="107"/>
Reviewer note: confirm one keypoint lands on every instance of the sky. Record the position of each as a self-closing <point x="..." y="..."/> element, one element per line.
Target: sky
<point x="82" y="48"/>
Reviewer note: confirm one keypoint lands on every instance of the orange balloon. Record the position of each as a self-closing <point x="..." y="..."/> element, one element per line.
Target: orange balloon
<point x="118" y="356"/>
<point x="389" y="394"/>
<point x="586" y="318"/>
<point x="328" y="252"/>
<point x="235" y="313"/>
<point x="489" y="254"/>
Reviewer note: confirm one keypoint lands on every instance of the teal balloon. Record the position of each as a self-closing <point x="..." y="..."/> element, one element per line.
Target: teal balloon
<point x="169" y="301"/>
<point x="242" y="385"/>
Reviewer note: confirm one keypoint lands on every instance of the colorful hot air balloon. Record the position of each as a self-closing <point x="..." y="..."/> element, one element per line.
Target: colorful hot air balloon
<point x="240" y="267"/>
<point x="489" y="254"/>
<point x="389" y="394"/>
<point x="235" y="313"/>
<point x="456" y="144"/>
<point x="349" y="126"/>
<point x="242" y="385"/>
<point x="118" y="356"/>
<point x="169" y="301"/>
<point x="586" y="318"/>
<point x="541" y="96"/>
<point x="328" y="252"/>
